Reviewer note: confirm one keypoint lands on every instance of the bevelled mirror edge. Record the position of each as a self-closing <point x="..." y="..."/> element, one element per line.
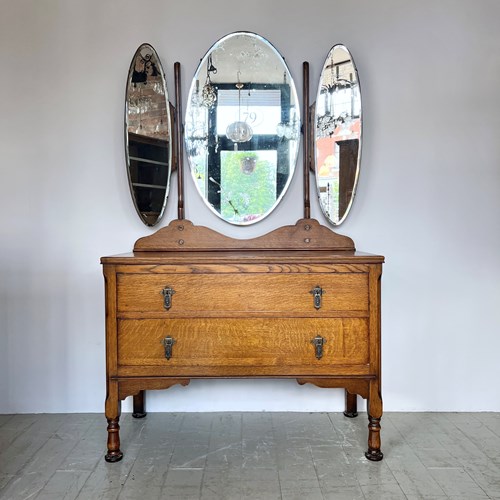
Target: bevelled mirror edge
<point x="209" y="88"/>
<point x="336" y="134"/>
<point x="148" y="135"/>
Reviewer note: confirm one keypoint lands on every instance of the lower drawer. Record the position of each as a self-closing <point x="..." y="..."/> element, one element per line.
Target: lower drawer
<point x="232" y="347"/>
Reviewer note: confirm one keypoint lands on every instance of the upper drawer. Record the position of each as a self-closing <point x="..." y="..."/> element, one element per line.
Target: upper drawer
<point x="218" y="294"/>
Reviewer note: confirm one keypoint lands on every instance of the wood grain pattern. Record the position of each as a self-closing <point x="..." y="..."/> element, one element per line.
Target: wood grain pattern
<point x="270" y="266"/>
<point x="244" y="371"/>
<point x="221" y="293"/>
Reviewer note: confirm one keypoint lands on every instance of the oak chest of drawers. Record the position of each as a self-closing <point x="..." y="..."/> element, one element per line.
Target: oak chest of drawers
<point x="299" y="303"/>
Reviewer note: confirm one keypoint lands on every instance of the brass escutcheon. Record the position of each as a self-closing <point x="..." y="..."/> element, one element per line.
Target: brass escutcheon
<point x="167" y="293"/>
<point x="317" y="293"/>
<point x="168" y="343"/>
<point x="318" y="343"/>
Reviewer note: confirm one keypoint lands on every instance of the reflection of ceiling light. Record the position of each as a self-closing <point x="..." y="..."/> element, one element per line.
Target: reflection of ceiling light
<point x="239" y="131"/>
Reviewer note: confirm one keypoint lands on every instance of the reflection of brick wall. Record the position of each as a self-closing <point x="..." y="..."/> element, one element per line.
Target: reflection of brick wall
<point x="147" y="108"/>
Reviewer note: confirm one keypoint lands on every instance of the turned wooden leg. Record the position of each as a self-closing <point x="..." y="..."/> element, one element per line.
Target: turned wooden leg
<point x="374" y="416"/>
<point x="113" y="408"/>
<point x="139" y="406"/>
<point x="374" y="452"/>
<point x="114" y="454"/>
<point x="351" y="405"/>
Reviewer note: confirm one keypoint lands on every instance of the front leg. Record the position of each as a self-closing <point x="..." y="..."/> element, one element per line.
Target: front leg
<point x="139" y="405"/>
<point x="374" y="416"/>
<point x="113" y="409"/>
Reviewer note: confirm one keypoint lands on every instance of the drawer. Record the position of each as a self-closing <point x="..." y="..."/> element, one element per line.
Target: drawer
<point x="218" y="294"/>
<point x="225" y="347"/>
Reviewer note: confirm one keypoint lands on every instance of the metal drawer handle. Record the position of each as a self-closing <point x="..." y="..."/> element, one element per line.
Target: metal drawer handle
<point x="168" y="343"/>
<point x="317" y="292"/>
<point x="318" y="342"/>
<point x="167" y="293"/>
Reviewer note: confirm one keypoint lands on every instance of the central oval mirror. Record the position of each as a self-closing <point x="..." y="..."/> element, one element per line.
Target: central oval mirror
<point x="337" y="134"/>
<point x="242" y="128"/>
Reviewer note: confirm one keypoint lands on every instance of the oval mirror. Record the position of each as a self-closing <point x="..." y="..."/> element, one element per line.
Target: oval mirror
<point x="242" y="128"/>
<point x="148" y="135"/>
<point x="337" y="134"/>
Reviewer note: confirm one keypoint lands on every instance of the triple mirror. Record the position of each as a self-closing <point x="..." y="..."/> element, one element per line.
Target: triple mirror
<point x="148" y="135"/>
<point x="242" y="131"/>
<point x="242" y="128"/>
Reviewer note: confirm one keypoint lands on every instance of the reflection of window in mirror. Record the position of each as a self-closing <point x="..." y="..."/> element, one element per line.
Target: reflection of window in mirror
<point x="251" y="194"/>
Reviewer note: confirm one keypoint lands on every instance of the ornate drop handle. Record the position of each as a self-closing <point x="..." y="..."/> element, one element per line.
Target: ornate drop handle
<point x="167" y="293"/>
<point x="317" y="292"/>
<point x="318" y="342"/>
<point x="168" y="343"/>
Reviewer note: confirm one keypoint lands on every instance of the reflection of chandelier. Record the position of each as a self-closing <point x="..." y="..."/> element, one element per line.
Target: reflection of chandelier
<point x="239" y="131"/>
<point x="208" y="93"/>
<point x="287" y="130"/>
<point x="328" y="123"/>
<point x="195" y="131"/>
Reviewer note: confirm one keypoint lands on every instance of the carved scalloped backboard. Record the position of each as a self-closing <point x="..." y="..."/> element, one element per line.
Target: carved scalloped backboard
<point x="183" y="235"/>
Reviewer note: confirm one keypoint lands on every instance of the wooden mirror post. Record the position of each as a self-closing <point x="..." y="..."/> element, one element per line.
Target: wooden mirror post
<point x="306" y="138"/>
<point x="179" y="141"/>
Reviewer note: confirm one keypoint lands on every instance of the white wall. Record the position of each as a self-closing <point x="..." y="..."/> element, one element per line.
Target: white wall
<point x="428" y="198"/>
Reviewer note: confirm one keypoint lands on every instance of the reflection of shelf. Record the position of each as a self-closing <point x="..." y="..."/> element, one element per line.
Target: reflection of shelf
<point x="145" y="160"/>
<point x="151" y="186"/>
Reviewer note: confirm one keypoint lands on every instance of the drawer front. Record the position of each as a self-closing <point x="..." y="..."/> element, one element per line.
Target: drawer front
<point x="216" y="294"/>
<point x="238" y="346"/>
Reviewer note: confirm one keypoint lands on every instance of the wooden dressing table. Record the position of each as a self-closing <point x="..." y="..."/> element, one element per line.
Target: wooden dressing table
<point x="190" y="303"/>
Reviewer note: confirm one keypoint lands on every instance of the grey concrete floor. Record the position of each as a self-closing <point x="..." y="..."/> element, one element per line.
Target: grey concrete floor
<point x="232" y="456"/>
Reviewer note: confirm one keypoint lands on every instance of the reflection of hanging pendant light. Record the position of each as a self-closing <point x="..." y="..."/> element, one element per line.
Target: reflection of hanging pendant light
<point x="239" y="131"/>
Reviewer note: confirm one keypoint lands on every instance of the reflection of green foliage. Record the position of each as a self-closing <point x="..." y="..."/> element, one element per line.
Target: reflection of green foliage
<point x="250" y="194"/>
<point x="335" y="199"/>
<point x="329" y="196"/>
